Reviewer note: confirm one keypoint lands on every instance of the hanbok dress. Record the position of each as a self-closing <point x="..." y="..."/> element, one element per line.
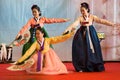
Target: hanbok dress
<point x="44" y="60"/>
<point x="86" y="49"/>
<point x="33" y="23"/>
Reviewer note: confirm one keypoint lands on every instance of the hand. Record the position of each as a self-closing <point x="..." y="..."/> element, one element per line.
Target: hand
<point x="116" y="25"/>
<point x="15" y="63"/>
<point x="73" y="29"/>
<point x="18" y="37"/>
<point x="67" y="19"/>
<point x="65" y="32"/>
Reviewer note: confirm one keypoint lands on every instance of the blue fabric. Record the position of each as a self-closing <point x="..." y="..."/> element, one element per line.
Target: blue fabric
<point x="82" y="56"/>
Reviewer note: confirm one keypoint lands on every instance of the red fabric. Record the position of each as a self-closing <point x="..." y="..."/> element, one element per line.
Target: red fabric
<point x="112" y="73"/>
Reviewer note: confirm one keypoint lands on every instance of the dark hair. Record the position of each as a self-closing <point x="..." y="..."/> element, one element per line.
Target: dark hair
<point x="86" y="6"/>
<point x="41" y="30"/>
<point x="36" y="7"/>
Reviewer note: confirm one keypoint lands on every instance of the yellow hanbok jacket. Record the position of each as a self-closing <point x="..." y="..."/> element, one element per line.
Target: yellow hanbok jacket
<point x="47" y="41"/>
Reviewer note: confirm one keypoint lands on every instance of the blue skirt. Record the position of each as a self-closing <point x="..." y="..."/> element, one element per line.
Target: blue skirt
<point x="82" y="56"/>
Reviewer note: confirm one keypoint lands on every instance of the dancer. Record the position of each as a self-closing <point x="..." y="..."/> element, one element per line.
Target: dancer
<point x="35" y="22"/>
<point x="44" y="60"/>
<point x="86" y="50"/>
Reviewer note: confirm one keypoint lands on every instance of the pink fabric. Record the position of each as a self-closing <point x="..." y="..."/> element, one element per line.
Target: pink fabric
<point x="51" y="64"/>
<point x="41" y="22"/>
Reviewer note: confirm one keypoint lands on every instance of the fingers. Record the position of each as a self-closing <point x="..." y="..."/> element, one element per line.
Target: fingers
<point x="67" y="19"/>
<point x="65" y="32"/>
<point x="73" y="29"/>
<point x="117" y="25"/>
<point x="18" y="35"/>
<point x="14" y="63"/>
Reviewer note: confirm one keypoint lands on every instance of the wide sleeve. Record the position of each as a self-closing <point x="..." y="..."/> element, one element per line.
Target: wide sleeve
<point x="54" y="40"/>
<point x="102" y="21"/>
<point x="53" y="20"/>
<point x="73" y="25"/>
<point x="25" y="27"/>
<point x="28" y="52"/>
<point x="62" y="38"/>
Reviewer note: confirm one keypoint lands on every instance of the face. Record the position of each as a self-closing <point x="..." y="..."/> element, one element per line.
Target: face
<point x="39" y="35"/>
<point x="35" y="12"/>
<point x="84" y="11"/>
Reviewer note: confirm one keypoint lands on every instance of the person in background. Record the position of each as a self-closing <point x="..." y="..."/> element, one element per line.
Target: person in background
<point x="86" y="50"/>
<point x="44" y="60"/>
<point x="33" y="23"/>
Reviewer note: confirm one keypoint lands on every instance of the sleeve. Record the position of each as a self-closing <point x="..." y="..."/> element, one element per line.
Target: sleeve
<point x="54" y="40"/>
<point x="28" y="52"/>
<point x="25" y="27"/>
<point x="46" y="45"/>
<point x="73" y="25"/>
<point x="102" y="21"/>
<point x="62" y="38"/>
<point x="53" y="20"/>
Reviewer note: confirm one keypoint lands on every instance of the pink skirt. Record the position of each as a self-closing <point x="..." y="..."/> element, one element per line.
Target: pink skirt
<point x="51" y="64"/>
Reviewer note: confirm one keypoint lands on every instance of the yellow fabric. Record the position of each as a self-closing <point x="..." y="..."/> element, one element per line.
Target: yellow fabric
<point x="54" y="40"/>
<point x="47" y="42"/>
<point x="28" y="52"/>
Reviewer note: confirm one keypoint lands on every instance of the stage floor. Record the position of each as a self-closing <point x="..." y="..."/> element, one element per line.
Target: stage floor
<point x="112" y="72"/>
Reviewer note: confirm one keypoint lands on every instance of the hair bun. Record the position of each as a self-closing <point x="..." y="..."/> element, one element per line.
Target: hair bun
<point x="85" y="5"/>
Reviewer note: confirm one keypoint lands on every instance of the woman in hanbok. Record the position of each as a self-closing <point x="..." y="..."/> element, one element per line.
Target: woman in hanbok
<point x="44" y="59"/>
<point x="33" y="23"/>
<point x="86" y="50"/>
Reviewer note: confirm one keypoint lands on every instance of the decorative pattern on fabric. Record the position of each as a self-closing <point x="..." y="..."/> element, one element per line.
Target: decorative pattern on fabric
<point x="32" y="31"/>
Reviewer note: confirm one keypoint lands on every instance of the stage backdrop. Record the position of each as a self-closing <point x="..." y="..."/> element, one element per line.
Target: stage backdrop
<point x="15" y="13"/>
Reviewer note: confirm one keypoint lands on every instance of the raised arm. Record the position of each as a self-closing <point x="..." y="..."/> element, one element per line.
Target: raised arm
<point x="73" y="25"/>
<point x="102" y="21"/>
<point x="53" y="20"/>
<point x="28" y="52"/>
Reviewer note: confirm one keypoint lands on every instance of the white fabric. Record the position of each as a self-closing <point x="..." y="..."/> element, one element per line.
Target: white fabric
<point x="3" y="52"/>
<point x="9" y="53"/>
<point x="15" y="13"/>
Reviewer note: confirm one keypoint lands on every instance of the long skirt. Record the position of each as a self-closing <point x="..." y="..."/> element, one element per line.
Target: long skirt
<point x="51" y="64"/>
<point x="83" y="58"/>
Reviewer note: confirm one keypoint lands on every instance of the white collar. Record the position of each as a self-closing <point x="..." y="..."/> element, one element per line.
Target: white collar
<point x="37" y="19"/>
<point x="41" y="43"/>
<point x="86" y="18"/>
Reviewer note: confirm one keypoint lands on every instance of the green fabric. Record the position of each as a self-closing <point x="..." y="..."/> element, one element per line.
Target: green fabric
<point x="46" y="35"/>
<point x="29" y="43"/>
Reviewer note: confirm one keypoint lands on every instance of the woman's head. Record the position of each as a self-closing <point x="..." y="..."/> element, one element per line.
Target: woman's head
<point x="39" y="33"/>
<point x="36" y="11"/>
<point x="84" y="8"/>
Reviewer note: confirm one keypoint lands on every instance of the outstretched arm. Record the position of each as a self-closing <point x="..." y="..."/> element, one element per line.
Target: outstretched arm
<point x="54" y="20"/>
<point x="62" y="38"/>
<point x="24" y="28"/>
<point x="73" y="25"/>
<point x="102" y="21"/>
<point x="54" y="40"/>
<point x="28" y="52"/>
